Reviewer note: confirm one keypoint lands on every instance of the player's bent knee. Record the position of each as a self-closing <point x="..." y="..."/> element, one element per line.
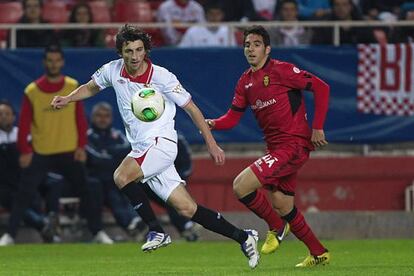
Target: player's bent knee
<point x="237" y="185"/>
<point x="240" y="188"/>
<point x="187" y="209"/>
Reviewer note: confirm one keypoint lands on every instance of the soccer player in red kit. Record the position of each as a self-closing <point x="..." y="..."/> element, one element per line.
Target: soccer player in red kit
<point x="273" y="89"/>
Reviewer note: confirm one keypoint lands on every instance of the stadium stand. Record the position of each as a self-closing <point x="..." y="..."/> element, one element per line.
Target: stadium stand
<point x="10" y="12"/>
<point x="100" y="11"/>
<point x="55" y="12"/>
<point x="136" y="11"/>
<point x="132" y="11"/>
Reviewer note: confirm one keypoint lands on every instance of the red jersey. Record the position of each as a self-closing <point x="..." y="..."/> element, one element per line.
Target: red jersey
<point x="275" y="94"/>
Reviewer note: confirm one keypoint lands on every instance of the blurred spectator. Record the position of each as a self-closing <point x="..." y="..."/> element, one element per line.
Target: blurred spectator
<point x="176" y="11"/>
<point x="343" y="10"/>
<point x="10" y="174"/>
<point x="200" y="36"/>
<point x="288" y="36"/>
<point x="372" y="9"/>
<point x="32" y="14"/>
<point x="183" y="163"/>
<point x="239" y="10"/>
<point x="106" y="148"/>
<point x="313" y="9"/>
<point x="58" y="137"/>
<point x="82" y="13"/>
<point x="405" y="34"/>
<point x="265" y="9"/>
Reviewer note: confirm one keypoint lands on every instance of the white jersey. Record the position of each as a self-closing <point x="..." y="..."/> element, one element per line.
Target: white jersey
<point x="200" y="36"/>
<point x="141" y="135"/>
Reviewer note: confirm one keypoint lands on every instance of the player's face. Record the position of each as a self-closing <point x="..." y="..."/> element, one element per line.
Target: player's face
<point x="102" y="118"/>
<point x="255" y="50"/>
<point x="6" y="117"/>
<point x="133" y="54"/>
<point x="54" y="63"/>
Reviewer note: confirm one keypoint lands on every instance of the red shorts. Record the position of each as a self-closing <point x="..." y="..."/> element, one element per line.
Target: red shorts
<point x="278" y="169"/>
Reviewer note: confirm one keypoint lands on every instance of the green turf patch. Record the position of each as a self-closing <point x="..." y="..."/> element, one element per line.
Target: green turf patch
<point x="362" y="257"/>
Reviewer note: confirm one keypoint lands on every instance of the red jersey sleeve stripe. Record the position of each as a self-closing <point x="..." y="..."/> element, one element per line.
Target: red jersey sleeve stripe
<point x="25" y="123"/>
<point x="81" y="124"/>
<point x="321" y="98"/>
<point x="238" y="109"/>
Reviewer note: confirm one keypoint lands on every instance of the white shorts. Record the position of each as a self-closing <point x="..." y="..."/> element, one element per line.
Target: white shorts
<point x="157" y="164"/>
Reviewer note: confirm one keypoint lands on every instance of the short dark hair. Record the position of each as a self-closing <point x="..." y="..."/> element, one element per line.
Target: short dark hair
<point x="132" y="33"/>
<point x="258" y="30"/>
<point x="7" y="103"/>
<point x="72" y="17"/>
<point x="53" y="48"/>
<point x="280" y="5"/>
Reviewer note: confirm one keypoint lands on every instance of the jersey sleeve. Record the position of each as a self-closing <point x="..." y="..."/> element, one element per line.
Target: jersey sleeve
<point x="175" y="92"/>
<point x="293" y="77"/>
<point x="239" y="102"/>
<point x="102" y="76"/>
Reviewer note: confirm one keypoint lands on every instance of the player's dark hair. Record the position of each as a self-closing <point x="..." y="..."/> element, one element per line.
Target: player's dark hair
<point x="258" y="30"/>
<point x="129" y="33"/>
<point x="7" y="103"/>
<point x="53" y="48"/>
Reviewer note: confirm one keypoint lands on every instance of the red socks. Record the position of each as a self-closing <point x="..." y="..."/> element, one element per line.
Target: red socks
<point x="260" y="205"/>
<point x="302" y="231"/>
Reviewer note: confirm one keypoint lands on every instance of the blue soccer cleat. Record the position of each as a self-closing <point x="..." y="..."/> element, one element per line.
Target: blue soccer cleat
<point x="156" y="240"/>
<point x="249" y="248"/>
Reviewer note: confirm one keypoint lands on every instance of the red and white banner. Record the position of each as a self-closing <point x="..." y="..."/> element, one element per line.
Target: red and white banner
<point x="385" y="79"/>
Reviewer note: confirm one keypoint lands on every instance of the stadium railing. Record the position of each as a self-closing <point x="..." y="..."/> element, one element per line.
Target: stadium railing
<point x="336" y="25"/>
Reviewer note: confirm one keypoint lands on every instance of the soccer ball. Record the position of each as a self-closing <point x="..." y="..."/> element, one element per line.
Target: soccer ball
<point x="147" y="104"/>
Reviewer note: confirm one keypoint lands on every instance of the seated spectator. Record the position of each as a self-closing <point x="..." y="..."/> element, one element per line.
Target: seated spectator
<point x="239" y="10"/>
<point x="371" y="9"/>
<point x="178" y="11"/>
<point x="32" y="14"/>
<point x="10" y="174"/>
<point x="106" y="148"/>
<point x="201" y="36"/>
<point x="183" y="163"/>
<point x="81" y="13"/>
<point x="265" y="9"/>
<point x="313" y="9"/>
<point x="288" y="36"/>
<point x="343" y="10"/>
<point x="405" y="34"/>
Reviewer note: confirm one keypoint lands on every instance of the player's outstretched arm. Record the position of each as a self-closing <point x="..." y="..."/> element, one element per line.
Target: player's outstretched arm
<point x="227" y="121"/>
<point x="215" y="151"/>
<point x="82" y="92"/>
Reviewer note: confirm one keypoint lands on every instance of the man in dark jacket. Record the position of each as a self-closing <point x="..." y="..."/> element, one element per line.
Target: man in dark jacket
<point x="106" y="148"/>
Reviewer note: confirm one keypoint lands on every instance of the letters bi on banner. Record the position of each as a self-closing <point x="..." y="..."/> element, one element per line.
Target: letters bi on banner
<point x="385" y="79"/>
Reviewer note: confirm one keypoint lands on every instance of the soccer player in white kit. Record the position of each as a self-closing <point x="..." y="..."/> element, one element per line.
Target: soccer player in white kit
<point x="154" y="144"/>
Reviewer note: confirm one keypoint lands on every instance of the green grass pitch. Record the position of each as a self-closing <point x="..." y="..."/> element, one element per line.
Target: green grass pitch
<point x="349" y="257"/>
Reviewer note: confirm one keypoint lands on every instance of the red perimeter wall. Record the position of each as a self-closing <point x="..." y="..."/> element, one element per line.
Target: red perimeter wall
<point x="355" y="183"/>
